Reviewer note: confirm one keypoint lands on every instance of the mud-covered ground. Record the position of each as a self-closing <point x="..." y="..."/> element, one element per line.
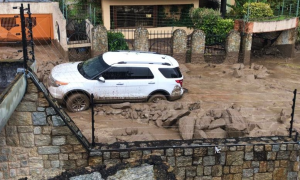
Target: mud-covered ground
<point x="264" y="100"/>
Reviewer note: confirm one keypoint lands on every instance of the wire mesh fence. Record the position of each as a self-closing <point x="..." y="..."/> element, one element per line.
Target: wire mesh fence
<point x="278" y="10"/>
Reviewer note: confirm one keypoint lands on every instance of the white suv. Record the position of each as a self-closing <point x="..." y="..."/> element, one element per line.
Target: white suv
<point x="116" y="77"/>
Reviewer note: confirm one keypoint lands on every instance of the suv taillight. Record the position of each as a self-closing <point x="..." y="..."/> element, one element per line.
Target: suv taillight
<point x="180" y="82"/>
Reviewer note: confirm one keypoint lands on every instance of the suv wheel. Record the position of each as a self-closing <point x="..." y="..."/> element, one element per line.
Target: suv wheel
<point x="157" y="97"/>
<point x="77" y="102"/>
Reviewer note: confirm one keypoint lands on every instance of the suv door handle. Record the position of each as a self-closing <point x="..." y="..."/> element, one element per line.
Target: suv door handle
<point x="151" y="82"/>
<point x="120" y="83"/>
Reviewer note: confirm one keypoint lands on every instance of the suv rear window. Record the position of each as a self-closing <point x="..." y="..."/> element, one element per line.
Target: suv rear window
<point x="171" y="72"/>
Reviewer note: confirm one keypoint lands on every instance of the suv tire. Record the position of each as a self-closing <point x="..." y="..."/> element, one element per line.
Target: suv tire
<point x="77" y="102"/>
<point x="157" y="97"/>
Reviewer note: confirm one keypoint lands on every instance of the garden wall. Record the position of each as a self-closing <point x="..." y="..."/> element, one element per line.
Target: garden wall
<point x="178" y="44"/>
<point x="264" y="158"/>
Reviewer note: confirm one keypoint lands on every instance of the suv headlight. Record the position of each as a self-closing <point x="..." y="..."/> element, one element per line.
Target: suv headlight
<point x="55" y="83"/>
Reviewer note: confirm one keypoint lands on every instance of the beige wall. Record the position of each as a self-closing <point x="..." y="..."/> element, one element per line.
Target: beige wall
<point x="42" y="8"/>
<point x="107" y="3"/>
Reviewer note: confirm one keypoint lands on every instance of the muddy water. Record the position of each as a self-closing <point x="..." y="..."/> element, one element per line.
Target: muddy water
<point x="261" y="100"/>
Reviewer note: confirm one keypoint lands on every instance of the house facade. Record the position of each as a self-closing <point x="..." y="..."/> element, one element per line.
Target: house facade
<point x="146" y="13"/>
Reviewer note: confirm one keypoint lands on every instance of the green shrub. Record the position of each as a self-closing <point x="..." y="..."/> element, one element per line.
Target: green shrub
<point x="204" y="15"/>
<point x="116" y="41"/>
<point x="258" y="10"/>
<point x="214" y="26"/>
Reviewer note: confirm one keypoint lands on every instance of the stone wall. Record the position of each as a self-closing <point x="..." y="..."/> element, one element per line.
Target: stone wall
<point x="99" y="40"/>
<point x="179" y="45"/>
<point x="232" y="47"/>
<point x="198" y="46"/>
<point x="141" y="36"/>
<point x="36" y="143"/>
<point x="247" y="162"/>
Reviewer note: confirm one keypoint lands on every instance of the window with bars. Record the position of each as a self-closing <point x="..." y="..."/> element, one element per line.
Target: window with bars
<point x="8" y="23"/>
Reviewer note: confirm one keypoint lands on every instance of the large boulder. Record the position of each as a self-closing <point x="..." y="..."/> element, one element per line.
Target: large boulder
<point x="238" y="73"/>
<point x="176" y="115"/>
<point x="203" y="122"/>
<point x="237" y="126"/>
<point x="216" y="133"/>
<point x="199" y="134"/>
<point x="186" y="127"/>
<point x="218" y="123"/>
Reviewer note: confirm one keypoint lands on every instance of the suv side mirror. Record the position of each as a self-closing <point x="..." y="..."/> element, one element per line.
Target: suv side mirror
<point x="101" y="79"/>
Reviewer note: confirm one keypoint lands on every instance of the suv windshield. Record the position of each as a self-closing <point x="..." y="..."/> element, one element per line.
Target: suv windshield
<point x="92" y="67"/>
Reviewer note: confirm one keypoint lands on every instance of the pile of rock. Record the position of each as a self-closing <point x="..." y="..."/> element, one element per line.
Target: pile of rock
<point x="191" y="121"/>
<point x="258" y="71"/>
<point x="221" y="123"/>
<point x="162" y="114"/>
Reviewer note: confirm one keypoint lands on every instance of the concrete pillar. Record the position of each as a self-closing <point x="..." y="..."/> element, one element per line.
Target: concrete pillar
<point x="179" y="45"/>
<point x="232" y="47"/>
<point x="99" y="40"/>
<point x="198" y="46"/>
<point x="244" y="56"/>
<point x="285" y="43"/>
<point x="141" y="36"/>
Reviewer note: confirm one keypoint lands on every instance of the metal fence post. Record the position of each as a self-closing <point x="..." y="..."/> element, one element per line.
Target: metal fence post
<point x="93" y="120"/>
<point x="94" y="16"/>
<point x="282" y="7"/>
<point x="24" y="40"/>
<point x="297" y="9"/>
<point x="293" y="111"/>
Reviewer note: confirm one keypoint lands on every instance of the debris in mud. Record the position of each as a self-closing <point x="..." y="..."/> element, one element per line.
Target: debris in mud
<point x="256" y="72"/>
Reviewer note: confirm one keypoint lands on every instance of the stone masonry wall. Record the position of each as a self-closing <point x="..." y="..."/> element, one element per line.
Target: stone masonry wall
<point x="141" y="36"/>
<point x="198" y="46"/>
<point x="99" y="40"/>
<point x="232" y="47"/>
<point x="179" y="45"/>
<point x="234" y="162"/>
<point x="36" y="143"/>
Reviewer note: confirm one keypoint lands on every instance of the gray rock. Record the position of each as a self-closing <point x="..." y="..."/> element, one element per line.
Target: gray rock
<point x="49" y="150"/>
<point x="194" y="106"/>
<point x="203" y="122"/>
<point x="116" y="111"/>
<point x="57" y="121"/>
<point x="238" y="73"/>
<point x="39" y="118"/>
<point x="199" y="134"/>
<point x="177" y="106"/>
<point x="134" y="115"/>
<point x="121" y="105"/>
<point x="119" y="132"/>
<point x="216" y="133"/>
<point x="26" y="139"/>
<point x="217" y="123"/>
<point x="144" y="172"/>
<point x="238" y="126"/>
<point x="261" y="75"/>
<point x="238" y="66"/>
<point x="186" y="127"/>
<point x="175" y="116"/>
<point x="58" y="140"/>
<point x="92" y="176"/>
<point x="50" y="111"/>
<point x="42" y="140"/>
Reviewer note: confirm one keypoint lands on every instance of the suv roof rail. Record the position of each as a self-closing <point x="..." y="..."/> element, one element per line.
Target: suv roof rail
<point x="143" y="62"/>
